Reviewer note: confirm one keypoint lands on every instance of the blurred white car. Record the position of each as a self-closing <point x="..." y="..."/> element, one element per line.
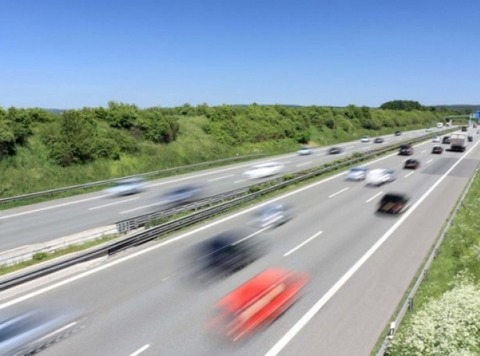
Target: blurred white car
<point x="365" y="139"/>
<point x="272" y="215"/>
<point x="436" y="139"/>
<point x="357" y="173"/>
<point x="127" y="186"/>
<point x="264" y="170"/>
<point x="305" y="151"/>
<point x="380" y="176"/>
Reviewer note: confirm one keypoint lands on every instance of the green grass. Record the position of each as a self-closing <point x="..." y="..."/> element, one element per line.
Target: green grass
<point x="458" y="257"/>
<point x="41" y="257"/>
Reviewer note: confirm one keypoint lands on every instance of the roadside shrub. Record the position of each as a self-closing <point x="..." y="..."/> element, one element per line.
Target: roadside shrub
<point x="39" y="256"/>
<point x="446" y="326"/>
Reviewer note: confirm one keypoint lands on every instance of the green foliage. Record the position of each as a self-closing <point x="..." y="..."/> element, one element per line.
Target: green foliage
<point x="406" y="105"/>
<point x="73" y="140"/>
<point x="446" y="326"/>
<point x="446" y="319"/>
<point x="39" y="256"/>
<point x="78" y="146"/>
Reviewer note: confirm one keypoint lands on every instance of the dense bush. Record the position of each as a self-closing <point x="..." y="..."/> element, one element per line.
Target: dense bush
<point x="16" y="125"/>
<point x="443" y="327"/>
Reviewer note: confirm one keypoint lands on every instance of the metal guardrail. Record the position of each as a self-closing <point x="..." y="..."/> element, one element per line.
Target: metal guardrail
<point x="109" y="181"/>
<point x="408" y="304"/>
<point x="127" y="225"/>
<point x="155" y="232"/>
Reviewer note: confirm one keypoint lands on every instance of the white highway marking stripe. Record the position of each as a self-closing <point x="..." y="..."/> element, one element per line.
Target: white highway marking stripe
<point x="304" y="164"/>
<point x="376" y="195"/>
<point x="223" y="177"/>
<point x="409" y="174"/>
<point x="284" y="340"/>
<point x="174" y="239"/>
<point x="52" y="207"/>
<point x="302" y="244"/>
<point x="239" y="181"/>
<point x="349" y="147"/>
<point x="424" y="151"/>
<point x="114" y="203"/>
<point x="140" y="350"/>
<point x="430" y="160"/>
<point x="339" y="192"/>
<point x="249" y="236"/>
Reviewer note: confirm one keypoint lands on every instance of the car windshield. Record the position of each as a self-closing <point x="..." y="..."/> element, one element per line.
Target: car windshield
<point x="358" y="169"/>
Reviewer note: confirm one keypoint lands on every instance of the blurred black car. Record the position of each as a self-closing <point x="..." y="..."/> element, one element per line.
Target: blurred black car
<point x="411" y="163"/>
<point x="225" y="254"/>
<point x="398" y="133"/>
<point x="437" y="149"/>
<point x="29" y="332"/>
<point x="470" y="138"/>
<point x="379" y="140"/>
<point x="405" y="150"/>
<point x="334" y="150"/>
<point x="464" y="128"/>
<point x="393" y="203"/>
<point x="446" y="140"/>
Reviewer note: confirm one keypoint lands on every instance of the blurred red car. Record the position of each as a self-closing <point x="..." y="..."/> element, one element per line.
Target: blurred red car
<point x="257" y="302"/>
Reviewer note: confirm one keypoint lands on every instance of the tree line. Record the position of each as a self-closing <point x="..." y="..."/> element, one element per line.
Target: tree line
<point x="81" y="136"/>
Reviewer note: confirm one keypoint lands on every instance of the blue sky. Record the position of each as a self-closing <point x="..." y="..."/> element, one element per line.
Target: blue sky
<point x="65" y="54"/>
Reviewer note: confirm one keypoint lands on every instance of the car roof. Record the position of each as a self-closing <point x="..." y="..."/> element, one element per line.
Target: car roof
<point x="395" y="196"/>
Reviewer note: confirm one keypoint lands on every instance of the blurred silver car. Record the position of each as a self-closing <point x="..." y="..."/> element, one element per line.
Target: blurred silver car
<point x="357" y="173"/>
<point x="29" y="332"/>
<point x="305" y="151"/>
<point x="127" y="186"/>
<point x="183" y="195"/>
<point x="264" y="170"/>
<point x="380" y="176"/>
<point x="272" y="215"/>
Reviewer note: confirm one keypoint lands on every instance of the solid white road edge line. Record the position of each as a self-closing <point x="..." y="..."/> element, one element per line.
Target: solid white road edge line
<point x="284" y="340"/>
<point x="173" y="239"/>
<point x="140" y="350"/>
<point x="302" y="244"/>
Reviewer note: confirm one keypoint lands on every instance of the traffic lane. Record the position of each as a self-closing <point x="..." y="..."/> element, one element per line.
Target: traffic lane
<point x="352" y="322"/>
<point x="117" y="334"/>
<point x="324" y="269"/>
<point x="336" y="335"/>
<point x="200" y="176"/>
<point x="96" y="209"/>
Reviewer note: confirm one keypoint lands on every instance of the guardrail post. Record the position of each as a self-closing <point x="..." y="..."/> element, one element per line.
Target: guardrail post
<point x="410" y="303"/>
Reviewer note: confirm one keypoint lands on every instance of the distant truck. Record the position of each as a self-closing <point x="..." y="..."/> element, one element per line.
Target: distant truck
<point x="458" y="142"/>
<point x="439" y="125"/>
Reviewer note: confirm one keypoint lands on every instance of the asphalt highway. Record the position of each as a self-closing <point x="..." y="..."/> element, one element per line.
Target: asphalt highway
<point x="144" y="302"/>
<point x="47" y="221"/>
